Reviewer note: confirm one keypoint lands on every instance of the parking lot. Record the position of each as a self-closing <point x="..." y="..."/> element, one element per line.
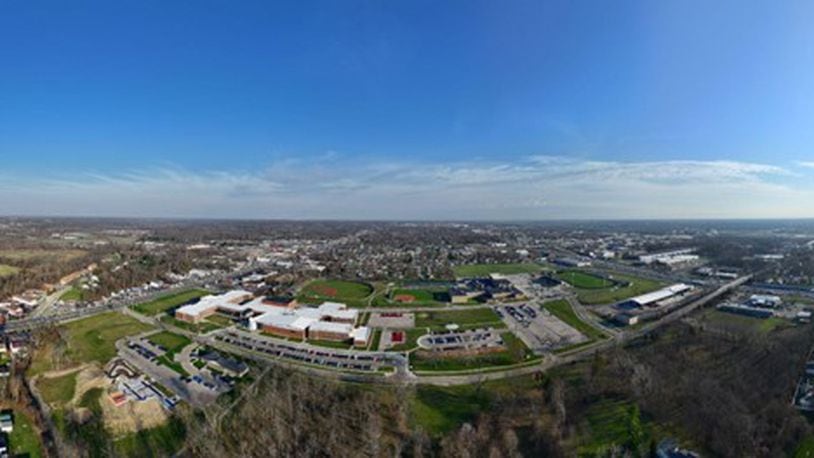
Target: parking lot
<point x="196" y="392"/>
<point x="330" y="358"/>
<point x="538" y="329"/>
<point x="461" y="340"/>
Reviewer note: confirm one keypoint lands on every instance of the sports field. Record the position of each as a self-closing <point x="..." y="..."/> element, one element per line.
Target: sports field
<point x="350" y="292"/>
<point x="463" y="318"/>
<point x="164" y="303"/>
<point x="634" y="286"/>
<point x="584" y="280"/>
<point x="420" y="297"/>
<point x="484" y="270"/>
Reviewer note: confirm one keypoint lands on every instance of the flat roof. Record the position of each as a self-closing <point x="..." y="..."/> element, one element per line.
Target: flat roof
<point x="661" y="294"/>
<point x="329" y="326"/>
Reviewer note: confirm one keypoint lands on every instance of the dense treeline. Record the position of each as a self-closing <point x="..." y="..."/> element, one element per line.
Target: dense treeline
<point x="297" y="415"/>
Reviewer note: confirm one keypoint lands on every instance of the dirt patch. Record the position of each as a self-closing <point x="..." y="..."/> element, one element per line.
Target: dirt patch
<point x="404" y="298"/>
<point x="125" y="419"/>
<point x="88" y="378"/>
<point x="132" y="416"/>
<point x="324" y="290"/>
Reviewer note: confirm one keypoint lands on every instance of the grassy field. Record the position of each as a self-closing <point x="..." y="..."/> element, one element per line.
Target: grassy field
<point x="220" y="320"/>
<point x="72" y="295"/>
<point x="741" y="323"/>
<point x="483" y="270"/>
<point x="516" y="352"/>
<point x="584" y="280"/>
<point x="24" y="440"/>
<point x="330" y="344"/>
<point x="164" y="303"/>
<point x="439" y="410"/>
<point x="562" y="310"/>
<point x="172" y="343"/>
<point x="160" y="441"/>
<point x="93" y="339"/>
<point x="805" y="449"/>
<point x="635" y="286"/>
<point x="350" y="292"/>
<point x="57" y="391"/>
<point x="438" y="320"/>
<point x="8" y="271"/>
<point x="41" y="255"/>
<point x="411" y="336"/>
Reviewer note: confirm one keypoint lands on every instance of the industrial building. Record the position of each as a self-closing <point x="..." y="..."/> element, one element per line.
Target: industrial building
<point x="671" y="258"/>
<point x="655" y="298"/>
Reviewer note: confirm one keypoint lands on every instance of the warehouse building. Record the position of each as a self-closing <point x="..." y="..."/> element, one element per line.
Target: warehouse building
<point x="656" y="297"/>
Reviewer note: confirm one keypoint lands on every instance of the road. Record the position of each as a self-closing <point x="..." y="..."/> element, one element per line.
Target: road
<point x="49" y="301"/>
<point x="584" y="352"/>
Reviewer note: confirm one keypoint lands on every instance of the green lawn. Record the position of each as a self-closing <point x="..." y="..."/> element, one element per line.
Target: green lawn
<point x="24" y="439"/>
<point x="173" y="343"/>
<point x="584" y="280"/>
<point x="411" y="337"/>
<point x="744" y="323"/>
<point x="439" y="410"/>
<point x="57" y="391"/>
<point x="72" y="295"/>
<point x="805" y="449"/>
<point x="635" y="286"/>
<point x="350" y="292"/>
<point x="163" y="440"/>
<point x="8" y="271"/>
<point x="330" y="344"/>
<point x="484" y="270"/>
<point x="562" y="310"/>
<point x="516" y="352"/>
<point x="93" y="339"/>
<point x="220" y="320"/>
<point x="164" y="303"/>
<point x="438" y="320"/>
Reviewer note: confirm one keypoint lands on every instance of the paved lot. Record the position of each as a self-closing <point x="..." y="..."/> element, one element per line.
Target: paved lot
<point x="143" y="358"/>
<point x="297" y="352"/>
<point x="392" y="320"/>
<point x="461" y="340"/>
<point x="538" y="329"/>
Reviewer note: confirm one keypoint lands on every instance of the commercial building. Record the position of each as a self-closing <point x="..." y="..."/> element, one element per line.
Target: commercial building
<point x="671" y="258"/>
<point x="765" y="301"/>
<point x="656" y="297"/>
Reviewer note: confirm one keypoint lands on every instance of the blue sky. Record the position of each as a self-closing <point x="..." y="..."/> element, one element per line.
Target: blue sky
<point x="407" y="109"/>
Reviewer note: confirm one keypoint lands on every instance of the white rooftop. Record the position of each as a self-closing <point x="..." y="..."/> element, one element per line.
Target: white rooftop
<point x="661" y="294"/>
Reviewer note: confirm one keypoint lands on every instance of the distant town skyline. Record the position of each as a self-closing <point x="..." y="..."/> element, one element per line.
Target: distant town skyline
<point x="407" y="110"/>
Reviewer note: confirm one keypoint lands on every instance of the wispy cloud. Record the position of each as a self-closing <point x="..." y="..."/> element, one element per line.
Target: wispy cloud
<point x="537" y="187"/>
<point x="807" y="164"/>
